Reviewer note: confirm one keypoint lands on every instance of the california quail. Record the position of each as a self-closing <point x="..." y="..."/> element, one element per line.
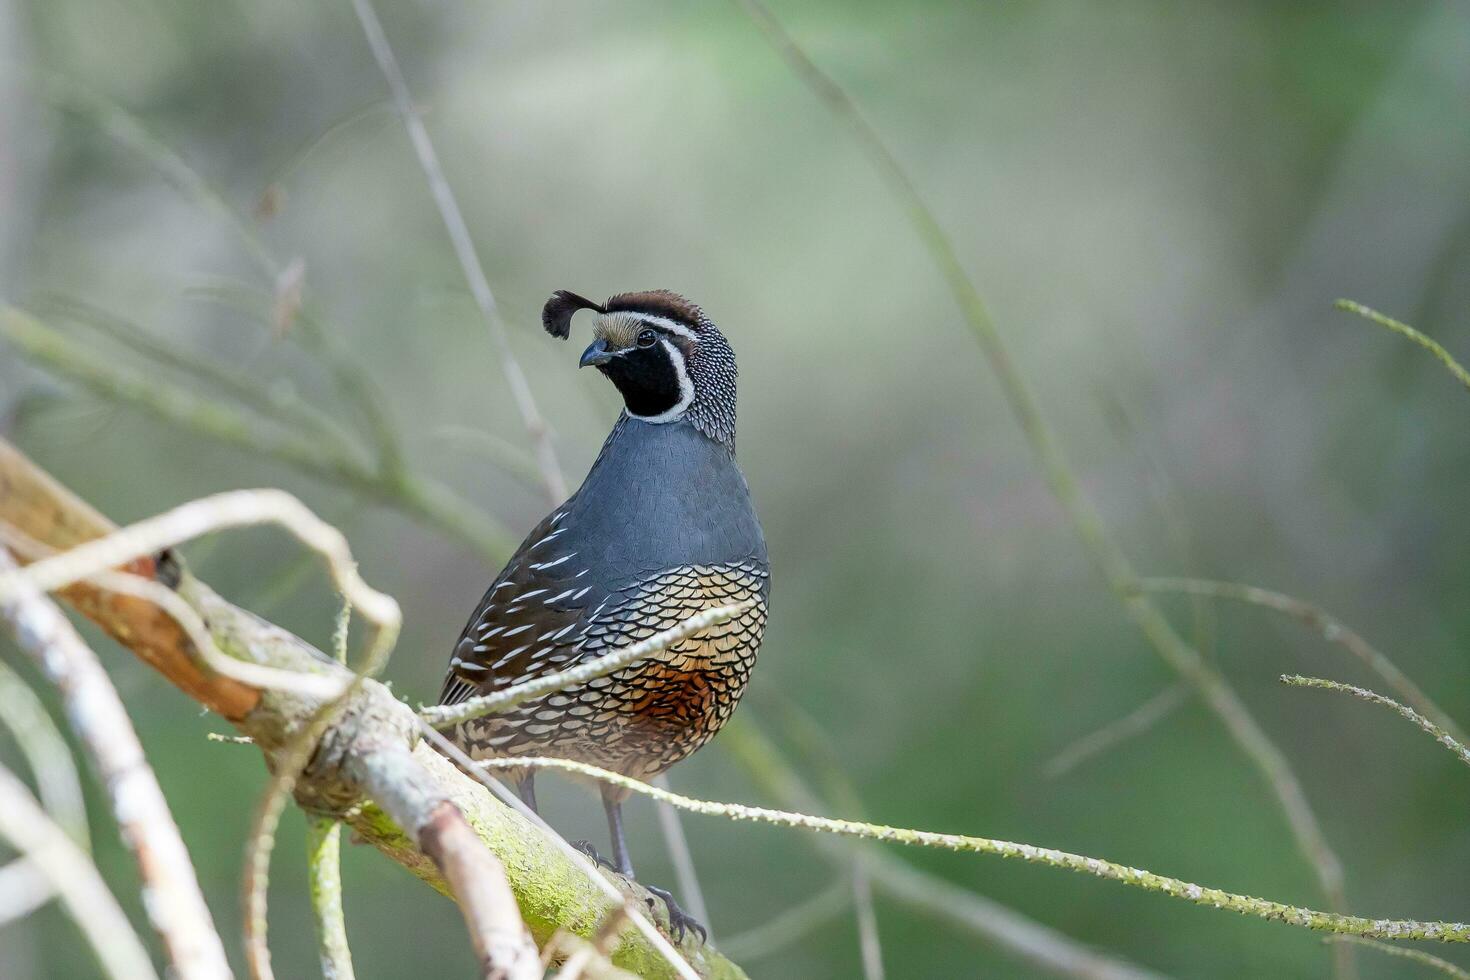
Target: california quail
<point x="661" y="528"/>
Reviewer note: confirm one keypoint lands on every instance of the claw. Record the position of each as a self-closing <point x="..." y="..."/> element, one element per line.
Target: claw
<point x="585" y="846"/>
<point x="680" y="922"/>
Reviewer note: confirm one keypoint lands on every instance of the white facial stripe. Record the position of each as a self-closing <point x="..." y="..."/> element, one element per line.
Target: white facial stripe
<point x="686" y="388"/>
<point x="672" y="326"/>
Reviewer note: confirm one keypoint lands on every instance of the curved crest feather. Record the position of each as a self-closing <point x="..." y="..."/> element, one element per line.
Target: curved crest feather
<point x="556" y="315"/>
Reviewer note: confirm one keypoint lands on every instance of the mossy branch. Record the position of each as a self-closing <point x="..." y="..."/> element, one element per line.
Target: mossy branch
<point x="417" y="797"/>
<point x="324" y="881"/>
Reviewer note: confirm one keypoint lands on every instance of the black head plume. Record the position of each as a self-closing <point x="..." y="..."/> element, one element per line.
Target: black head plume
<point x="556" y="315"/>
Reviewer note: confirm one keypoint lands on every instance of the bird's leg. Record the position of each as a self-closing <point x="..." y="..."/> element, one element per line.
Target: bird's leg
<point x="621" y="863"/>
<point x="526" y="789"/>
<point x="680" y="921"/>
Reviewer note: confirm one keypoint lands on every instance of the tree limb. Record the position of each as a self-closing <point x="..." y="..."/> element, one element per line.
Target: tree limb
<point x="370" y="753"/>
<point x="171" y="892"/>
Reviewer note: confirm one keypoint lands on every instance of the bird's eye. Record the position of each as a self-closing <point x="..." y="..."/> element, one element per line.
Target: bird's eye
<point x="647" y="338"/>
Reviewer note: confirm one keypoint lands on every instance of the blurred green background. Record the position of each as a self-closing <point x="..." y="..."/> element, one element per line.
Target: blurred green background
<point x="1160" y="202"/>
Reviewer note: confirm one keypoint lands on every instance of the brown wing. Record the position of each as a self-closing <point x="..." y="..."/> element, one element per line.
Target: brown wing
<point x="529" y="621"/>
<point x="647" y="716"/>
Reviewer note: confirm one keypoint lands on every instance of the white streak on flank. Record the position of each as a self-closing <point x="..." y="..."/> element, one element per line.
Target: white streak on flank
<point x="529" y="595"/>
<point x="546" y="539"/>
<point x="583" y="591"/>
<point x="556" y="598"/>
<point x="556" y="519"/>
<point x="518" y="629"/>
<point x="686" y="388"/>
<point x="553" y="564"/>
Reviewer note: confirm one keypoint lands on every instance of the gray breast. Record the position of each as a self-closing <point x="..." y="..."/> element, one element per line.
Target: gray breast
<point x="661" y="496"/>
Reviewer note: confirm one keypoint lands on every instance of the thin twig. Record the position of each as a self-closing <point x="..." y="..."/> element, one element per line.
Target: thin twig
<point x="1448" y="932"/>
<point x="1333" y="630"/>
<point x="274" y="403"/>
<point x="1404" y="330"/>
<point x="24" y="888"/>
<point x="425" y="499"/>
<point x="590" y="957"/>
<point x="324" y="882"/>
<point x="128" y="130"/>
<point x="1440" y="735"/>
<point x="501" y="452"/>
<point x="25" y="826"/>
<point x="464" y="250"/>
<point x="202" y="648"/>
<point x="324" y="858"/>
<point x="1406" y="952"/>
<point x="46" y="752"/>
<point x="1096" y="538"/>
<point x="791" y="925"/>
<point x="232" y="509"/>
<point x="1040" y="946"/>
<point x="443" y="716"/>
<point x="867" y="921"/>
<point x="171" y="894"/>
<point x="1131" y="725"/>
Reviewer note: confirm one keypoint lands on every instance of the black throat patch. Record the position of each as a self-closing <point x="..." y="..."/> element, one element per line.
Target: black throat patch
<point x="647" y="378"/>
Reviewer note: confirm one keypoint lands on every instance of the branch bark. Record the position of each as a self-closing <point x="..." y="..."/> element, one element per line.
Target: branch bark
<point x="171" y="892"/>
<point x="395" y="792"/>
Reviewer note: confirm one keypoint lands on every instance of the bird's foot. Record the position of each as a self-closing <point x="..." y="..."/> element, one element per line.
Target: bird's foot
<point x="680" y="921"/>
<point x="585" y="846"/>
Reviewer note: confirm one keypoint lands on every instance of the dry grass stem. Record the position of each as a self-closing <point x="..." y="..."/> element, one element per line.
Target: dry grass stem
<point x="171" y="894"/>
<point x="1333" y="630"/>
<point x="1404" y="330"/>
<point x="1440" y="735"/>
<point x="464" y="250"/>
<point x="46" y="752"/>
<point x="76" y="881"/>
<point x="1408" y="953"/>
<point x="1114" y="565"/>
<point x="1449" y="932"/>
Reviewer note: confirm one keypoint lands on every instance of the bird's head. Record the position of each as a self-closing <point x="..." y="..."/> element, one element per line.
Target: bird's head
<point x="667" y="359"/>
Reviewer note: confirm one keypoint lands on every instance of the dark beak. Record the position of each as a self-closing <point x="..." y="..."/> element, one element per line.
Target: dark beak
<point x="596" y="355"/>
